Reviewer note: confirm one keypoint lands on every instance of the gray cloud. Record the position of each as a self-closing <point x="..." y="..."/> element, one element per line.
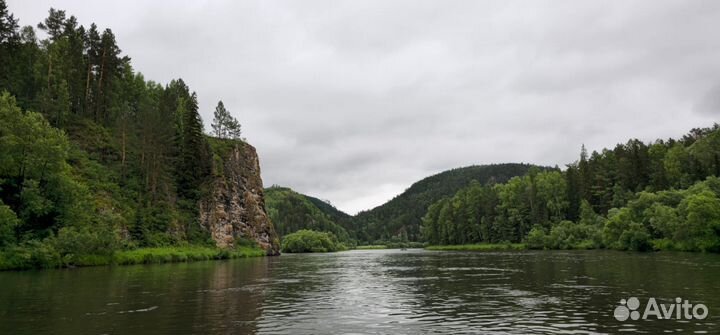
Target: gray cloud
<point x="353" y="101"/>
<point x="710" y="103"/>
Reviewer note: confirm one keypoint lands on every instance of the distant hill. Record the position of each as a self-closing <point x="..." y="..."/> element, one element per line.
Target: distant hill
<point x="402" y="215"/>
<point x="343" y="219"/>
<point x="291" y="211"/>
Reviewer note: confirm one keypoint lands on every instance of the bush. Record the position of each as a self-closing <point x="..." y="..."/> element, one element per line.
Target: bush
<point x="565" y="235"/>
<point x="84" y="247"/>
<point x="8" y="222"/>
<point x="536" y="238"/>
<point x="503" y="246"/>
<point x="399" y="245"/>
<point x="311" y="241"/>
<point x="569" y="235"/>
<point x="30" y="255"/>
<point x="635" y="238"/>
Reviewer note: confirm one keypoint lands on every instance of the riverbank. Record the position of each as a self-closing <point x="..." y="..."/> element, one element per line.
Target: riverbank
<point x="392" y="245"/>
<point x="478" y="247"/>
<point x="371" y="247"/>
<point x="24" y="260"/>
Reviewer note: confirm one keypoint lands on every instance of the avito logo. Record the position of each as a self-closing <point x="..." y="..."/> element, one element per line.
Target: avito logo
<point x="680" y="310"/>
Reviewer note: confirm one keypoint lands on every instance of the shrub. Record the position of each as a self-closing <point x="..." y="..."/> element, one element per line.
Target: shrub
<point x="8" y="222"/>
<point x="536" y="238"/>
<point x="569" y="235"/>
<point x="310" y="241"/>
<point x="635" y="238"/>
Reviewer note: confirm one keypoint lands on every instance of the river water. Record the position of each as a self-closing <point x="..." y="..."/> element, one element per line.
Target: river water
<point x="367" y="292"/>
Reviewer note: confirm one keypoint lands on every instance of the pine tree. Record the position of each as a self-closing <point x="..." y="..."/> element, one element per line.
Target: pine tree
<point x="195" y="156"/>
<point x="224" y="125"/>
<point x="8" y="25"/>
<point x="220" y="120"/>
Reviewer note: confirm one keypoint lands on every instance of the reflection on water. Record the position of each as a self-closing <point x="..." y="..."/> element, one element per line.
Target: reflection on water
<point x="374" y="291"/>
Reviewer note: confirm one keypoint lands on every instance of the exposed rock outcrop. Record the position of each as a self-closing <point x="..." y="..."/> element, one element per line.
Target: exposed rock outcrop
<point x="235" y="208"/>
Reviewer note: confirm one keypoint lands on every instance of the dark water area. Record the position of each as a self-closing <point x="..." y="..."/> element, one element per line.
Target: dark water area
<point x="367" y="292"/>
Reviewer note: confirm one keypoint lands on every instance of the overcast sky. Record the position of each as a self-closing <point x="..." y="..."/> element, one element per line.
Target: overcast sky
<point x="353" y="101"/>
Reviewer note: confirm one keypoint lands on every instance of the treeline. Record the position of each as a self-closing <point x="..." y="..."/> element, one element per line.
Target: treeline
<point x="393" y="224"/>
<point x="93" y="155"/>
<point x="399" y="220"/>
<point x="306" y="240"/>
<point x="290" y="212"/>
<point x="638" y="196"/>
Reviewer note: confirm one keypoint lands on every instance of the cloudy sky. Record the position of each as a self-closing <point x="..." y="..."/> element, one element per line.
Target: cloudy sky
<point x="353" y="101"/>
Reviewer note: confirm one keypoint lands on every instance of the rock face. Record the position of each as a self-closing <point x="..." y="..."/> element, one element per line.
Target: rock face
<point x="235" y="208"/>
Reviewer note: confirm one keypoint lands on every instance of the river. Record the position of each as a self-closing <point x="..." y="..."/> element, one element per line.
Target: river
<point x="367" y="292"/>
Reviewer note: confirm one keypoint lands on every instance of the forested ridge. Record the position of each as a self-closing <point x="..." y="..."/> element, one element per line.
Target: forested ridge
<point x="401" y="217"/>
<point x="95" y="158"/>
<point x="291" y="211"/>
<point x="393" y="223"/>
<point x="636" y="196"/>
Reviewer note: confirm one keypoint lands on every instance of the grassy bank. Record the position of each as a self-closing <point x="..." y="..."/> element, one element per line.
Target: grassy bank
<point x="23" y="259"/>
<point x="306" y="240"/>
<point x="392" y="245"/>
<point x="371" y="247"/>
<point x="479" y="247"/>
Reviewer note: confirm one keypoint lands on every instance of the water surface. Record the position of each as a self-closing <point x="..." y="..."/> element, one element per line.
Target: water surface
<point x="365" y="292"/>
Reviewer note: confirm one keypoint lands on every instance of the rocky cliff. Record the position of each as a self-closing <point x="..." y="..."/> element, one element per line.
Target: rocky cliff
<point x="235" y="206"/>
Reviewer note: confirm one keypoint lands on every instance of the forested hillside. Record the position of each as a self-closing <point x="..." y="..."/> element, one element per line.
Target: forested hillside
<point x="94" y="157"/>
<point x="662" y="195"/>
<point x="291" y="211"/>
<point x="343" y="219"/>
<point x="400" y="218"/>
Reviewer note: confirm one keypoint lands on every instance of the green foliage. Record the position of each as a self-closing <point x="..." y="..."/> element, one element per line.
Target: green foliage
<point x="701" y="227"/>
<point x="394" y="245"/>
<point x="195" y="165"/>
<point x="37" y="255"/>
<point x="339" y="217"/>
<point x="565" y="235"/>
<point x="311" y="241"/>
<point x="290" y="211"/>
<point x="625" y="198"/>
<point x="635" y="238"/>
<point x="72" y="244"/>
<point x="404" y="213"/>
<point x="372" y="247"/>
<point x="500" y="212"/>
<point x="8" y="223"/>
<point x="35" y="178"/>
<point x="537" y="238"/>
<point x="570" y="235"/>
<point x="479" y="247"/>
<point x="183" y="254"/>
<point x="93" y="158"/>
<point x="224" y="125"/>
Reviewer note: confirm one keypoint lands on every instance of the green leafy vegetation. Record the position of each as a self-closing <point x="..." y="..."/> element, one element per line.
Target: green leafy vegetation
<point x="391" y="245"/>
<point x="311" y="241"/>
<point x="659" y="196"/>
<point x="224" y="125"/>
<point x="372" y="247"/>
<point x="94" y="158"/>
<point x="43" y="255"/>
<point x="339" y="217"/>
<point x="291" y="211"/>
<point x="183" y="254"/>
<point x="400" y="219"/>
<point x="479" y="247"/>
